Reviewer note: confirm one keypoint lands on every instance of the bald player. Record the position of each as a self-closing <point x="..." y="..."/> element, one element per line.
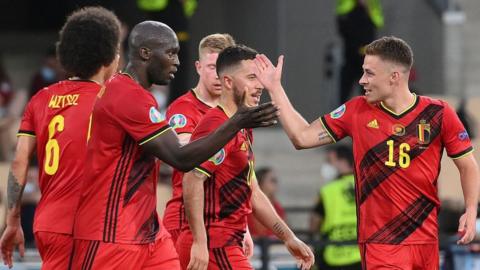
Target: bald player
<point x="117" y="226"/>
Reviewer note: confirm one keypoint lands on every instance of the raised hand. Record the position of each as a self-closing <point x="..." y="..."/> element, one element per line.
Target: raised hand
<point x="12" y="236"/>
<point x="270" y="76"/>
<point x="302" y="253"/>
<point x="263" y="115"/>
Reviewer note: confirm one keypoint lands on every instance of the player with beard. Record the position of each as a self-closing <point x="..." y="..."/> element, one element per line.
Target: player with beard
<point x="117" y="226"/>
<point x="220" y="193"/>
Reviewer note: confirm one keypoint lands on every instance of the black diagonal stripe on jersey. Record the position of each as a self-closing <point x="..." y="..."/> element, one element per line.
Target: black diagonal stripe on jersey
<point x="90" y="256"/>
<point x="141" y="169"/>
<point x="404" y="224"/>
<point x="115" y="190"/>
<point x="234" y="194"/>
<point x="149" y="229"/>
<point x="219" y="259"/>
<point x="372" y="167"/>
<point x="223" y="253"/>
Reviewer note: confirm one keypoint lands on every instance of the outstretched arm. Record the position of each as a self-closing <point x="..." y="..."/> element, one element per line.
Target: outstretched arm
<point x="470" y="179"/>
<point x="301" y="133"/>
<point x="17" y="178"/>
<point x="168" y="148"/>
<point x="265" y="213"/>
<point x="193" y="196"/>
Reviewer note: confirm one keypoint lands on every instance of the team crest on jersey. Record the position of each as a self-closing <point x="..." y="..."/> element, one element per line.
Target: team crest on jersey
<point x="155" y="115"/>
<point x="177" y="121"/>
<point x="398" y="130"/>
<point x="338" y="112"/>
<point x="423" y="129"/>
<point x="218" y="158"/>
<point x="463" y="135"/>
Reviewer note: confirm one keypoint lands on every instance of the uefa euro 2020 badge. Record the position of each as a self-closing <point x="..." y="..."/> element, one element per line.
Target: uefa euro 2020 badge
<point x="155" y="115"/>
<point x="338" y="112"/>
<point x="218" y="158"/>
<point x="177" y="121"/>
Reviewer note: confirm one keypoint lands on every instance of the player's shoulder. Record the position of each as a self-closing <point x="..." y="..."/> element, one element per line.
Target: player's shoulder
<point x="43" y="94"/>
<point x="430" y="100"/>
<point x="213" y="117"/>
<point x="121" y="88"/>
<point x="185" y="101"/>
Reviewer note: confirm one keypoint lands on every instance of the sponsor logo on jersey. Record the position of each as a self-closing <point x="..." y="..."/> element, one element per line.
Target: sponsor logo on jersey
<point x="218" y="158"/>
<point x="373" y="124"/>
<point x="338" y="112"/>
<point x="463" y="135"/>
<point x="155" y="115"/>
<point x="177" y="121"/>
<point x="423" y="129"/>
<point x="398" y="130"/>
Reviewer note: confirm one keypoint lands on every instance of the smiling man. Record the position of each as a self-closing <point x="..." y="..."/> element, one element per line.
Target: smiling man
<point x="117" y="226"/>
<point x="220" y="193"/>
<point x="398" y="140"/>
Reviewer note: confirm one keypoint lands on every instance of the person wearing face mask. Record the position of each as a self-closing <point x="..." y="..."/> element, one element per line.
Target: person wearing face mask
<point x="334" y="215"/>
<point x="50" y="72"/>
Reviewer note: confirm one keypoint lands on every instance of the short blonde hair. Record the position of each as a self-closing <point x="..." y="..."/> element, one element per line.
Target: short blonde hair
<point x="215" y="43"/>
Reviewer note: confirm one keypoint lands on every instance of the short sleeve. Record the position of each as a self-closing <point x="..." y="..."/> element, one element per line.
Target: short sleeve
<point x="141" y="119"/>
<point x="27" y="125"/>
<point x="181" y="117"/>
<point x="454" y="136"/>
<point x="206" y="126"/>
<point x="339" y="122"/>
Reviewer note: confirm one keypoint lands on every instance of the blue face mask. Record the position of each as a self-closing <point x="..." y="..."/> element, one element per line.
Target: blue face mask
<point x="48" y="74"/>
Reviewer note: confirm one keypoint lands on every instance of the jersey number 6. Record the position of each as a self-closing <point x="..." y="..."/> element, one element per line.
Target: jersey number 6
<point x="52" y="149"/>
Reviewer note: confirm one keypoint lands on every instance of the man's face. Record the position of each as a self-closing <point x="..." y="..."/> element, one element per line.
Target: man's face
<point x="376" y="79"/>
<point x="207" y="70"/>
<point x="164" y="61"/>
<point x="269" y="184"/>
<point x="244" y="79"/>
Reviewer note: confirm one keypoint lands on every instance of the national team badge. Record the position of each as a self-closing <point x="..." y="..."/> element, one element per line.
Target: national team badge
<point x="398" y="130"/>
<point x="177" y="121"/>
<point x="338" y="112"/>
<point x="218" y="158"/>
<point x="463" y="135"/>
<point x="155" y="115"/>
<point x="423" y="129"/>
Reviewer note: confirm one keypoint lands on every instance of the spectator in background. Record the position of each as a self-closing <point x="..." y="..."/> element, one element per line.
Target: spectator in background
<point x="6" y="121"/>
<point x="357" y="22"/>
<point x="50" y="72"/>
<point x="268" y="183"/>
<point x="335" y="215"/>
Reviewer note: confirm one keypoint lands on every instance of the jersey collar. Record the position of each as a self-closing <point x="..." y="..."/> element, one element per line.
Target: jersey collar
<point x="406" y="111"/>
<point x="198" y="98"/>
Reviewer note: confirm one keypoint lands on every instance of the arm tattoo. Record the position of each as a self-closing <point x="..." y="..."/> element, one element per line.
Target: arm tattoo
<point x="14" y="191"/>
<point x="279" y="230"/>
<point x="323" y="135"/>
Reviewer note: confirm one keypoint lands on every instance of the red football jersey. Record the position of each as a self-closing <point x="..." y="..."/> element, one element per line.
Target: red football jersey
<point x="397" y="162"/>
<point x="184" y="114"/>
<point x="228" y="187"/>
<point x="58" y="116"/>
<point x="118" y="203"/>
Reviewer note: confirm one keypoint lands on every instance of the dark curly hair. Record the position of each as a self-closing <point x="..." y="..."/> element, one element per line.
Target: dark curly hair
<point x="89" y="39"/>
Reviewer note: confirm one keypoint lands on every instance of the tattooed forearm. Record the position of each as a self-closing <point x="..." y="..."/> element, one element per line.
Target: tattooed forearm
<point x="14" y="191"/>
<point x="322" y="135"/>
<point x="280" y="230"/>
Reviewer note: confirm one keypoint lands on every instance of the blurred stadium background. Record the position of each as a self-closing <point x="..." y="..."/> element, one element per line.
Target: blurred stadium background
<point x="444" y="35"/>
